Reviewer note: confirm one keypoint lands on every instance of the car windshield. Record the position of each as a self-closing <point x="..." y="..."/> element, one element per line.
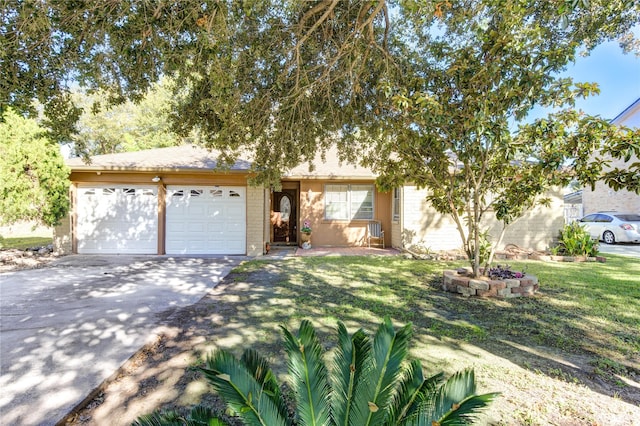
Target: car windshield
<point x="628" y="217"/>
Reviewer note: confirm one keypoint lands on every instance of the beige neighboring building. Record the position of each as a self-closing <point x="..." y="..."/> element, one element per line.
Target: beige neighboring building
<point x="603" y="198"/>
<point x="175" y="201"/>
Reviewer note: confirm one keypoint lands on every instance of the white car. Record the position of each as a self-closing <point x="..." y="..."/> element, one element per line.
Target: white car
<point x="613" y="227"/>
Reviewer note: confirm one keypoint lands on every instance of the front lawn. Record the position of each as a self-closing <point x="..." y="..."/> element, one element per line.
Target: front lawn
<point x="568" y="356"/>
<point x="580" y="332"/>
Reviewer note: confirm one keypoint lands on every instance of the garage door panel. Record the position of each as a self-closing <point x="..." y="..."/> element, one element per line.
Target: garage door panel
<point x="206" y="220"/>
<point x="117" y="219"/>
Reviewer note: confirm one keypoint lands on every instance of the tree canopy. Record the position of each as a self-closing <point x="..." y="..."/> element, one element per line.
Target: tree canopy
<point x="281" y="78"/>
<point x="436" y="92"/>
<point x="34" y="182"/>
<point x="130" y="126"/>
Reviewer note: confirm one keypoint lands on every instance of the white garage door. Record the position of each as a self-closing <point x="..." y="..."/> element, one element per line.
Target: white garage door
<point x="206" y="220"/>
<point x="117" y="219"/>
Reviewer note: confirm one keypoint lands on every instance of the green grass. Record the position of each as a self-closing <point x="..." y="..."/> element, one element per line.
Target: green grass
<point x="581" y="308"/>
<point x="22" y="243"/>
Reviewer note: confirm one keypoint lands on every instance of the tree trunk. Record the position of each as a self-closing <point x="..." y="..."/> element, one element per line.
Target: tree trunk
<point x="493" y="249"/>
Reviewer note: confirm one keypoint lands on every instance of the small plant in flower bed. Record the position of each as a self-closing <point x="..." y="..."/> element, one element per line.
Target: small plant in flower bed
<point x="504" y="272"/>
<point x="574" y="240"/>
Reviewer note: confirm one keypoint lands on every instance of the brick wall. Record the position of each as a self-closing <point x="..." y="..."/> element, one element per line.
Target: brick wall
<point x="604" y="198"/>
<point x="537" y="229"/>
<point x="62" y="236"/>
<point x="422" y="225"/>
<point x="255" y="221"/>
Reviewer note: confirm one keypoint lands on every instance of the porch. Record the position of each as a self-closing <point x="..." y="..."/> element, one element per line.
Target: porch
<point x="293" y="251"/>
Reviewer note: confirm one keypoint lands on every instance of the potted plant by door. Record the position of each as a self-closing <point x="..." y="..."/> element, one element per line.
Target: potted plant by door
<point x="305" y="234"/>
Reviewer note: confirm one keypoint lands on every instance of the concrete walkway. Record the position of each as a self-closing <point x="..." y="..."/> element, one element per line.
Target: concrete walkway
<point x="293" y="251"/>
<point x="66" y="328"/>
<point x="624" y="249"/>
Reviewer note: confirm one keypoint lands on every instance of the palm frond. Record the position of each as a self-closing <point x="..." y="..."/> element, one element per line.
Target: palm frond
<point x="203" y="416"/>
<point x="456" y="402"/>
<point x="159" y="418"/>
<point x="412" y="392"/>
<point x="308" y="375"/>
<point x="390" y="349"/>
<point x="259" y="368"/>
<point x="352" y="358"/>
<point x="468" y="410"/>
<point x="199" y="416"/>
<point x="242" y="393"/>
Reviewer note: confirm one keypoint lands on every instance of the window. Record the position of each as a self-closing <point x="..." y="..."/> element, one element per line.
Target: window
<point x="628" y="217"/>
<point x="285" y="208"/>
<point x="396" y="204"/>
<point x="604" y="218"/>
<point x="348" y="202"/>
<point x="196" y="192"/>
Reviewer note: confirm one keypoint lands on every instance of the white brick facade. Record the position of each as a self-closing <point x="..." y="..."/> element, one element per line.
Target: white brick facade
<point x="255" y="220"/>
<point x="62" y="237"/>
<point x="421" y="225"/>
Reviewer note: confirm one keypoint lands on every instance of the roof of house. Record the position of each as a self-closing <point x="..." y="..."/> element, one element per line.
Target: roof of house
<point x="194" y="158"/>
<point x="330" y="168"/>
<point x="183" y="157"/>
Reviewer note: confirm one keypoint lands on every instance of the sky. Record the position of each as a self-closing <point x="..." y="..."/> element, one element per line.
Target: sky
<point x="617" y="74"/>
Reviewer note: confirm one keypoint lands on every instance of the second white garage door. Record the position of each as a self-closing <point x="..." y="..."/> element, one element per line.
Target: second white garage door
<point x="206" y="220"/>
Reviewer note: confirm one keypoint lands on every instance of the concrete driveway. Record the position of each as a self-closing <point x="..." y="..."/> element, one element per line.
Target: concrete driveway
<point x="67" y="327"/>
<point x="624" y="249"/>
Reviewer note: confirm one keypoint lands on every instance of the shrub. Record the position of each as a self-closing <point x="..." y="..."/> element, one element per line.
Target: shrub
<point x="574" y="240"/>
<point x="368" y="383"/>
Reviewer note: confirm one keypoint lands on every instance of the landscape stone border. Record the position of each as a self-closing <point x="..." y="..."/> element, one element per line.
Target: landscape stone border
<point x="459" y="282"/>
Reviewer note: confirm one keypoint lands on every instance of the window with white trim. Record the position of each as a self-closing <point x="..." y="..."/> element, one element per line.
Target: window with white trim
<point x="348" y="202"/>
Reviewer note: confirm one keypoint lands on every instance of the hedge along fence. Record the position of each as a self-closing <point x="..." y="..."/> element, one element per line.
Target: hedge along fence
<point x="459" y="282"/>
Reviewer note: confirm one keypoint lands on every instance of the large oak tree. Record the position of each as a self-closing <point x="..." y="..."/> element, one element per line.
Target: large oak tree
<point x="421" y="90"/>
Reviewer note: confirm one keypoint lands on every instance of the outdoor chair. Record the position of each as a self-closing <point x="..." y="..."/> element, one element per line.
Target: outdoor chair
<point x="375" y="232"/>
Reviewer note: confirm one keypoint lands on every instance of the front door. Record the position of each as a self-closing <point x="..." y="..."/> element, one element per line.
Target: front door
<point x="283" y="216"/>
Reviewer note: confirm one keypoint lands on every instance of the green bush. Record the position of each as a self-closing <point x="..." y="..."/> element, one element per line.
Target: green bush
<point x="574" y="240"/>
<point x="368" y="383"/>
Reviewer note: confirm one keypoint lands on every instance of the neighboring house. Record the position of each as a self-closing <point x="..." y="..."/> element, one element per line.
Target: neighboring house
<point x="175" y="201"/>
<point x="603" y="198"/>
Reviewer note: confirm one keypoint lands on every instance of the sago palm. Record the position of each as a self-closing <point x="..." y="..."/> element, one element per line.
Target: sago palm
<point x="369" y="383"/>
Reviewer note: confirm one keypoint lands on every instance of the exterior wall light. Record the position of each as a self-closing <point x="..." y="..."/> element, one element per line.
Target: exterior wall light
<point x="156" y="179"/>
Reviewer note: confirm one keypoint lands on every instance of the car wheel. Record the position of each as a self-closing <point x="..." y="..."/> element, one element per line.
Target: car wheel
<point x="608" y="237"/>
